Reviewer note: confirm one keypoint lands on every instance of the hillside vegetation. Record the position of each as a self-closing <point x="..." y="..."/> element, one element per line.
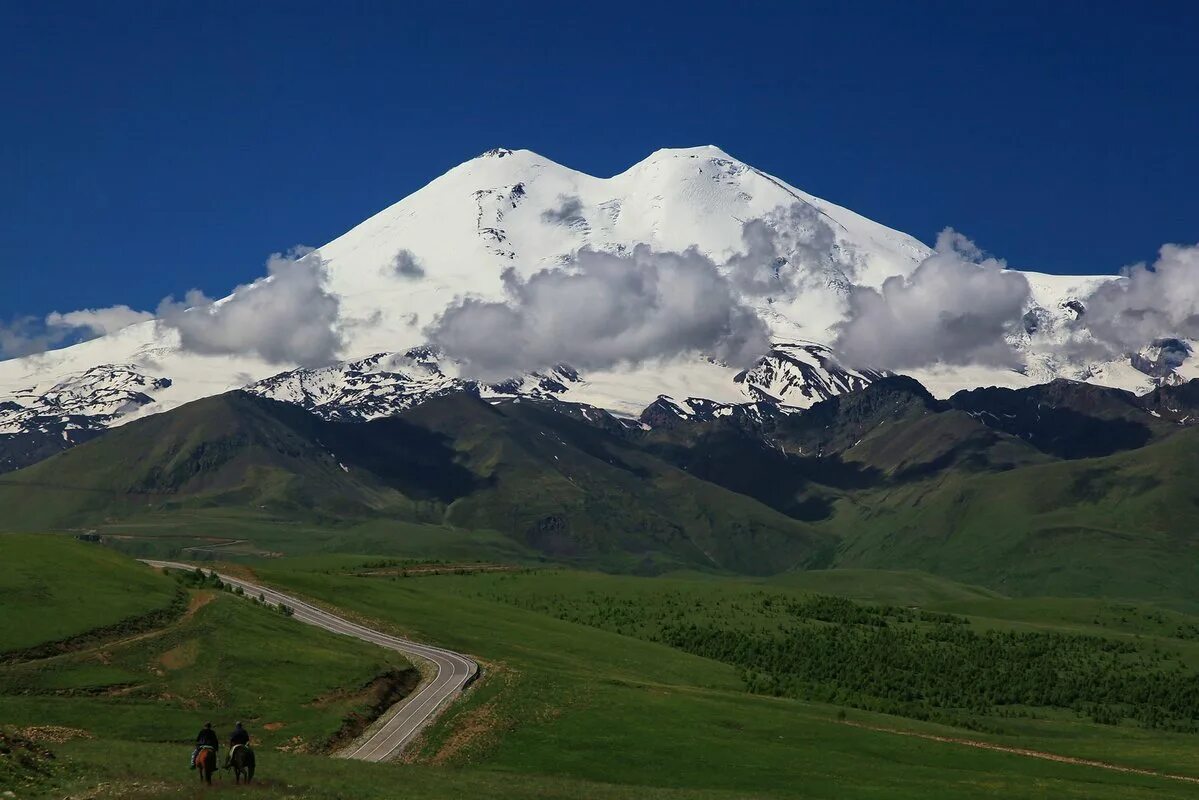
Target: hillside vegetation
<point x="552" y="484"/>
<point x="1118" y="526"/>
<point x="54" y="592"/>
<point x="582" y="694"/>
<point x="1064" y="489"/>
<point x="584" y="684"/>
<point x="219" y="658"/>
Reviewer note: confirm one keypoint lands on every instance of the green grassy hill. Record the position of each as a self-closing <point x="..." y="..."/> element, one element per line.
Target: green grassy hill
<point x="1119" y="526"/>
<point x="582" y="688"/>
<point x="238" y="450"/>
<point x="582" y="696"/>
<point x="576" y="492"/>
<point x="552" y="484"/>
<point x="885" y="478"/>
<point x="1070" y="419"/>
<point x="57" y="591"/>
<point x="215" y="657"/>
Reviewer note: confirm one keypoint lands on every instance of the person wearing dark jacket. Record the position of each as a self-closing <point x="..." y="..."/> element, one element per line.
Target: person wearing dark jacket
<point x="239" y="736"/>
<point x="206" y="738"/>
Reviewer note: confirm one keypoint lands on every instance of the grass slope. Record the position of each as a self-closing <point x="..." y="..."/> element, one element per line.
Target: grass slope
<point x="565" y="709"/>
<point x="226" y="658"/>
<point x="1119" y="526"/>
<point x="576" y="492"/>
<point x="54" y="590"/>
<point x="884" y="478"/>
<point x="552" y="484"/>
<point x="585" y="703"/>
<point x="241" y="451"/>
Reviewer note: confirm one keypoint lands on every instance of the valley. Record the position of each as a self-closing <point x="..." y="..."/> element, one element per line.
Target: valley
<point x="581" y="693"/>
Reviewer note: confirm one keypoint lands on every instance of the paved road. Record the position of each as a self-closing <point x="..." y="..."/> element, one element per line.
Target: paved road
<point x="406" y="718"/>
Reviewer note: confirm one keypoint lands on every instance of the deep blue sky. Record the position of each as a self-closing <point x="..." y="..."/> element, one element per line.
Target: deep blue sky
<point x="147" y="148"/>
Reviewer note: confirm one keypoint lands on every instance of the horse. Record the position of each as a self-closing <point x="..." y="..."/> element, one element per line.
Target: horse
<point x="241" y="759"/>
<point x="206" y="764"/>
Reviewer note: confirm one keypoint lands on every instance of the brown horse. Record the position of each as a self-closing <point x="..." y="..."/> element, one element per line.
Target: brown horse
<point x="206" y="764"/>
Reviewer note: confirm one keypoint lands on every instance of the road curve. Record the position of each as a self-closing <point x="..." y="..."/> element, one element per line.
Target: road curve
<point x="404" y="720"/>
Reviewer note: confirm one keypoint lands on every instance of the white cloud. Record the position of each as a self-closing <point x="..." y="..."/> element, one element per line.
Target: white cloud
<point x="785" y="250"/>
<point x="288" y="317"/>
<point x="1148" y="304"/>
<point x="23" y="337"/>
<point x="603" y="310"/>
<point x="28" y="335"/>
<point x="956" y="308"/>
<point x="98" y="321"/>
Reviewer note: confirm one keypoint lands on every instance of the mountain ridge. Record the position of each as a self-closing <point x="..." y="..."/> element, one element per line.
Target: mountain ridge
<point x="886" y="476"/>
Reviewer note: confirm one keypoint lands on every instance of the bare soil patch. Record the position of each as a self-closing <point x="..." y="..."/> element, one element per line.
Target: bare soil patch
<point x="426" y="570"/>
<point x="369" y="703"/>
<point x="53" y="734"/>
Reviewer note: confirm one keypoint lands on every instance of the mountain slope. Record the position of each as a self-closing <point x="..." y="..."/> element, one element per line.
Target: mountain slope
<point x="235" y="449"/>
<point x="1069" y="419"/>
<point x="1116" y="526"/>
<point x="891" y="432"/>
<point x="561" y="486"/>
<point x="885" y="477"/>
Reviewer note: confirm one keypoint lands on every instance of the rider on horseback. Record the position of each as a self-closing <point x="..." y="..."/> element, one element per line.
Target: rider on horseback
<point x="241" y="758"/>
<point x="239" y="738"/>
<point x="206" y="738"/>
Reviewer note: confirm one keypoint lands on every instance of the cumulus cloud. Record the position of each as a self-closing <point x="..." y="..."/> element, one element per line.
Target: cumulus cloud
<point x="785" y="248"/>
<point x="569" y="209"/>
<point x="288" y="317"/>
<point x="98" y="321"/>
<point x="406" y="265"/>
<point x="956" y="308"/>
<point x="1148" y="304"/>
<point x="23" y="337"/>
<point x="28" y="335"/>
<point x="605" y="309"/>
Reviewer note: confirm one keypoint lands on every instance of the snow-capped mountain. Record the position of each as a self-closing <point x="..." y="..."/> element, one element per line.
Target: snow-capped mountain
<point x="517" y="210"/>
<point x="385" y="384"/>
<point x="88" y="400"/>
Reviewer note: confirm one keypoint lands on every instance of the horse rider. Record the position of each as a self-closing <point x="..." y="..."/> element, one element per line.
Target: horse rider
<point x="206" y="738"/>
<point x="239" y="738"/>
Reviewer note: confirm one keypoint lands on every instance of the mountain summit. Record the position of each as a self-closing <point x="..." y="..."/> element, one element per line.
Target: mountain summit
<point x="494" y="223"/>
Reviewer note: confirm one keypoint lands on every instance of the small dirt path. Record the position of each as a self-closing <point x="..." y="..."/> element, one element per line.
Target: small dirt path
<point x="1025" y="752"/>
<point x="197" y="601"/>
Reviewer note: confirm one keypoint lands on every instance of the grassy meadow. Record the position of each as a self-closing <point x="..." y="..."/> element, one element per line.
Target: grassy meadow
<point x="581" y="695"/>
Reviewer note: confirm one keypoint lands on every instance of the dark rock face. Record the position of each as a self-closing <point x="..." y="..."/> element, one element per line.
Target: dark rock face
<point x="1064" y="418"/>
<point x="1177" y="403"/>
<point x="1162" y="359"/>
<point x="1076" y="306"/>
<point x="836" y="424"/>
<point x="77" y="409"/>
<point x="1032" y="322"/>
<point x="19" y="450"/>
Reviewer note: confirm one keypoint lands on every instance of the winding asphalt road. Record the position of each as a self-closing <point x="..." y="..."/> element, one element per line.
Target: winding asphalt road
<point x="404" y="720"/>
